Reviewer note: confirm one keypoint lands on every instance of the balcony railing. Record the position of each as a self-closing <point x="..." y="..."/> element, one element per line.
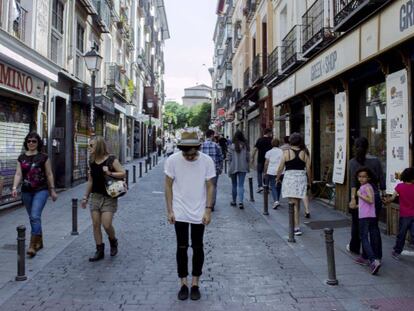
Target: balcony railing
<point x="291" y="49"/>
<point x="250" y="9"/>
<point x="348" y="13"/>
<point x="103" y="17"/>
<point x="90" y="6"/>
<point x="257" y="68"/>
<point x="246" y="79"/>
<point x="237" y="36"/>
<point x="113" y="76"/>
<point x="273" y="63"/>
<point x="131" y="38"/>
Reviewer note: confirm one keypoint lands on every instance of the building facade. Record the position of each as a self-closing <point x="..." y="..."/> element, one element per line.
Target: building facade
<point x="196" y="95"/>
<point x="46" y="86"/>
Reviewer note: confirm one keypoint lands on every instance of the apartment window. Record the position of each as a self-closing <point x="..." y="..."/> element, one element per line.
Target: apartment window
<point x="18" y="19"/>
<point x="80" y="43"/>
<point x="56" y="49"/>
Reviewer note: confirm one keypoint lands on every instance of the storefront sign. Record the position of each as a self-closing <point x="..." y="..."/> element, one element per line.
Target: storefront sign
<point x="308" y="127"/>
<point x="105" y="104"/>
<point x="20" y="82"/>
<point x="341" y="138"/>
<point x="284" y="90"/>
<point x="397" y="127"/>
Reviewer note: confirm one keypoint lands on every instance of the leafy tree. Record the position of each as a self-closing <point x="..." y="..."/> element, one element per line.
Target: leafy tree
<point x="200" y="116"/>
<point x="178" y="114"/>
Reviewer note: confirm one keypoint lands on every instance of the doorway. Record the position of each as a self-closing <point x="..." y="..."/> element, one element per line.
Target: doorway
<point x="58" y="143"/>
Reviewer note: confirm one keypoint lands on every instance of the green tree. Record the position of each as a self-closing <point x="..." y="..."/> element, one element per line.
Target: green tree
<point x="200" y="116"/>
<point x="178" y="113"/>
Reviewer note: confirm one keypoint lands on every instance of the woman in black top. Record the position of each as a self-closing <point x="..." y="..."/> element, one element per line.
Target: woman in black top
<point x="34" y="169"/>
<point x="102" y="206"/>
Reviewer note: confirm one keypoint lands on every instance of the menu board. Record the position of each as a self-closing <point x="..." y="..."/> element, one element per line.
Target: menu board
<point x="341" y="137"/>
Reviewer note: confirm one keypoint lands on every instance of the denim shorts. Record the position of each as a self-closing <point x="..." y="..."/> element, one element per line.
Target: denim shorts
<point x="103" y="203"/>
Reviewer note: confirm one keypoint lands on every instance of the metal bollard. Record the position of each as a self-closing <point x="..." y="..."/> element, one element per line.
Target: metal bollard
<point x="150" y="164"/>
<point x="266" y="200"/>
<point x="146" y="166"/>
<point x="75" y="217"/>
<point x="127" y="177"/>
<point x="330" y="254"/>
<point x="156" y="159"/>
<point x="21" y="238"/>
<point x="134" y="174"/>
<point x="153" y="160"/>
<point x="225" y="166"/>
<point x="140" y="169"/>
<point x="291" y="223"/>
<point x="251" y="189"/>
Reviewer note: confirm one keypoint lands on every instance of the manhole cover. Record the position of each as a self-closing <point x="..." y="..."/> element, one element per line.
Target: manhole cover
<point x="9" y="247"/>
<point x="322" y="224"/>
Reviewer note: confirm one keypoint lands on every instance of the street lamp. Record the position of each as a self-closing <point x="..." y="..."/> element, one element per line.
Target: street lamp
<point x="93" y="62"/>
<point x="150" y="103"/>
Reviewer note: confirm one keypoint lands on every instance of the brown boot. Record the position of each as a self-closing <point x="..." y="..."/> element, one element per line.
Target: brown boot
<point x="114" y="246"/>
<point x="39" y="242"/>
<point x="31" y="251"/>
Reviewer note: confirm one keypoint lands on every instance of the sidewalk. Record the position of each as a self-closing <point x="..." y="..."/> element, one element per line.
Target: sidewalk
<point x="249" y="265"/>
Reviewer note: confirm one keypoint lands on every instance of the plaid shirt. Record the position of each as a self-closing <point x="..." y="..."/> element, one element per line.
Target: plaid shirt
<point x="214" y="151"/>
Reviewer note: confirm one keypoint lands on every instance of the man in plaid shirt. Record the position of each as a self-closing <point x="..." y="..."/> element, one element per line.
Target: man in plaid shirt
<point x="214" y="151"/>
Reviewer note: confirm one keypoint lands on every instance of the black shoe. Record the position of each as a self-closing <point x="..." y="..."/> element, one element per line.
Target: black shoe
<point x="99" y="254"/>
<point x="241" y="206"/>
<point x="233" y="203"/>
<point x="114" y="246"/>
<point x="195" y="293"/>
<point x="307" y="215"/>
<point x="183" y="293"/>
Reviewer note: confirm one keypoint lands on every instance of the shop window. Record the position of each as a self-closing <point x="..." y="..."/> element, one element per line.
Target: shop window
<point x="372" y="120"/>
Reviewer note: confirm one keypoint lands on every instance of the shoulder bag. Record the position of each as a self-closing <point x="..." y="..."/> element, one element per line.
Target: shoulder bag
<point x="115" y="187"/>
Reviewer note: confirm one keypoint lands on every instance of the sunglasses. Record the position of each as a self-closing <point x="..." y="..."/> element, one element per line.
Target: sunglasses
<point x="31" y="141"/>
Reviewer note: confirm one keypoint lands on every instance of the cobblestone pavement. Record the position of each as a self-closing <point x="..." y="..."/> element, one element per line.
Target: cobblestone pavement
<point x="248" y="265"/>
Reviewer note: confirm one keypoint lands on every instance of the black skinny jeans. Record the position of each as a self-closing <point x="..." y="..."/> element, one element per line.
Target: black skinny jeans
<point x="197" y="233"/>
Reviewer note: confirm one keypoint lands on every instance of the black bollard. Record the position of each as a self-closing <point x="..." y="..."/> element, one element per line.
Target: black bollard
<point x="225" y="166"/>
<point x="153" y="160"/>
<point x="134" y="174"/>
<point x="156" y="159"/>
<point x="21" y="238"/>
<point x="146" y="166"/>
<point x="150" y="164"/>
<point x="140" y="169"/>
<point x="251" y="189"/>
<point x="266" y="200"/>
<point x="330" y="254"/>
<point x="75" y="217"/>
<point x="127" y="178"/>
<point x="291" y="223"/>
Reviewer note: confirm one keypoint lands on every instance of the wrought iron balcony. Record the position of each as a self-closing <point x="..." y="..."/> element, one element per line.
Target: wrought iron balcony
<point x="246" y="79"/>
<point x="291" y="49"/>
<point x="273" y="64"/>
<point x="315" y="33"/>
<point x="236" y="95"/>
<point x="250" y="9"/>
<point x="103" y="17"/>
<point x="113" y="76"/>
<point x="257" y="68"/>
<point x="237" y="36"/>
<point x="90" y="6"/>
<point x="130" y="36"/>
<point x="348" y="13"/>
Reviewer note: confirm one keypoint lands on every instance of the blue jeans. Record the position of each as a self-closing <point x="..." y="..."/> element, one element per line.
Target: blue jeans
<point x="215" y="181"/>
<point x="237" y="182"/>
<point x="260" y="169"/>
<point x="406" y="223"/>
<point x="274" y="187"/>
<point x="370" y="238"/>
<point x="34" y="203"/>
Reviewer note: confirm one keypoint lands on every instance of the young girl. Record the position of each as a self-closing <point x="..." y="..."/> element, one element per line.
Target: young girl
<point x="368" y="225"/>
<point x="405" y="192"/>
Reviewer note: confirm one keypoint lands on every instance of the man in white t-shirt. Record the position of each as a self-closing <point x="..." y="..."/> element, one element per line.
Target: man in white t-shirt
<point x="189" y="192"/>
<point x="273" y="158"/>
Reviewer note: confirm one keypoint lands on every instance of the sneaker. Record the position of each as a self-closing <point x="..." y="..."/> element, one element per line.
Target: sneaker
<point x="233" y="203"/>
<point x="307" y="215"/>
<point x="361" y="261"/>
<point x="395" y="255"/>
<point x="241" y="206"/>
<point x="276" y="204"/>
<point x="297" y="231"/>
<point x="260" y="189"/>
<point x="195" y="293"/>
<point x="183" y="293"/>
<point x="375" y="266"/>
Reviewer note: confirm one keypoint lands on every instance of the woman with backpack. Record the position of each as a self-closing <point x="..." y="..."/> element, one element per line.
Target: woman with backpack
<point x="102" y="205"/>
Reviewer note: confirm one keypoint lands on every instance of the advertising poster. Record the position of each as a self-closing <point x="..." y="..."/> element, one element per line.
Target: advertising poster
<point x="308" y="127"/>
<point x="341" y="138"/>
<point x="397" y="127"/>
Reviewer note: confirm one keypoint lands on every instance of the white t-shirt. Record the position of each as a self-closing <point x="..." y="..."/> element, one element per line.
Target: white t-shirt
<point x="274" y="156"/>
<point x="169" y="147"/>
<point x="189" y="186"/>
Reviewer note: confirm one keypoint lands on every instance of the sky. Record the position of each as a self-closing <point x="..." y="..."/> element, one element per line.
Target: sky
<point x="189" y="51"/>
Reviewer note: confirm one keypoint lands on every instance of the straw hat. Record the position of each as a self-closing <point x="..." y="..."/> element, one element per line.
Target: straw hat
<point x="189" y="139"/>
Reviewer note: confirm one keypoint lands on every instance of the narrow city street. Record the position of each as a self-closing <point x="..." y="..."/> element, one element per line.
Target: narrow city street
<point x="249" y="265"/>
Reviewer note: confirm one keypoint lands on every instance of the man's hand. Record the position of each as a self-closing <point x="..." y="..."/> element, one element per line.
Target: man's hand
<point x="206" y="217"/>
<point x="352" y="204"/>
<point x="171" y="218"/>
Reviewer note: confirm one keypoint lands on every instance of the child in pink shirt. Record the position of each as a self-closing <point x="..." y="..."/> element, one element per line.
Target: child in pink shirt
<point x="405" y="192"/>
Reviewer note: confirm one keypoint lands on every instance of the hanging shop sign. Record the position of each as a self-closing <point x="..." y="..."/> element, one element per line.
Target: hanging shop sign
<point x="397" y="127"/>
<point x="341" y="137"/>
<point x="308" y="127"/>
<point x="17" y="81"/>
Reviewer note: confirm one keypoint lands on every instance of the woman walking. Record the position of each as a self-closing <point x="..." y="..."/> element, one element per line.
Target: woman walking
<point x="273" y="158"/>
<point x="102" y="206"/>
<point x="296" y="163"/>
<point x="238" y="157"/>
<point x="363" y="159"/>
<point x="34" y="170"/>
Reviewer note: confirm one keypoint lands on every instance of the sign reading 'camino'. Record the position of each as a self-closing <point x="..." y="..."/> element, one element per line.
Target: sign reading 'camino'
<point x="20" y="82"/>
<point x="406" y="15"/>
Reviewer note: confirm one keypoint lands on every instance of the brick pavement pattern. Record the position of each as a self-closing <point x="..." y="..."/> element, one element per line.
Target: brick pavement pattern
<point x="248" y="265"/>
